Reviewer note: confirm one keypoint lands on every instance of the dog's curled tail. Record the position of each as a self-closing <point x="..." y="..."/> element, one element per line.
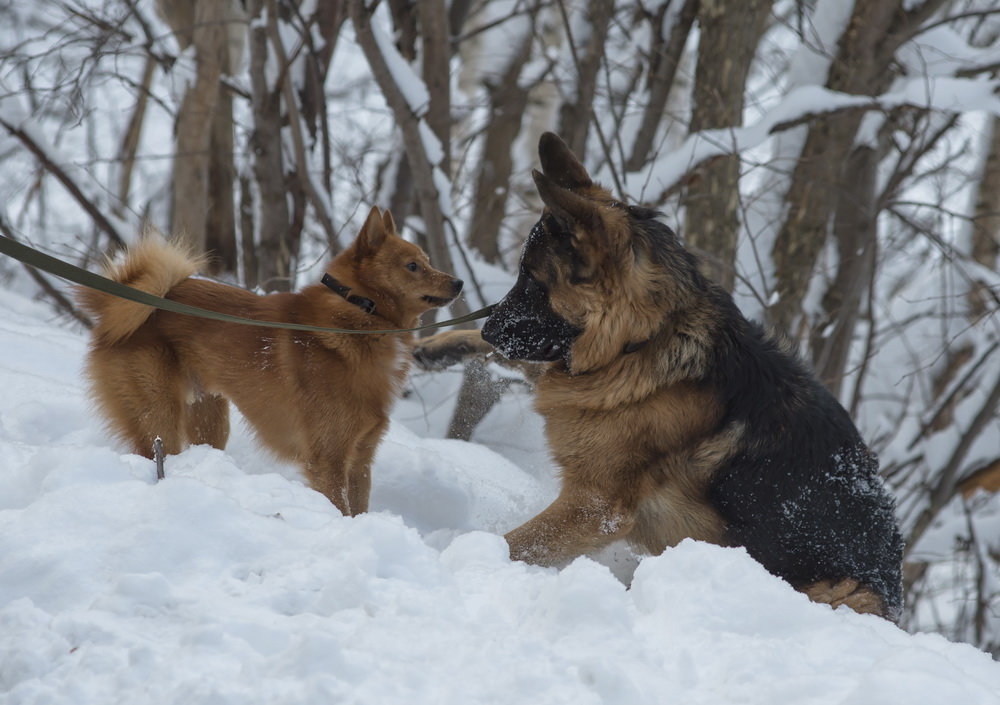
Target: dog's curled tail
<point x="153" y="265"/>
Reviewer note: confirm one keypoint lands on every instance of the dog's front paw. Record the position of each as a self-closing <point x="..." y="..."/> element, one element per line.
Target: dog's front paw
<point x="433" y="358"/>
<point x="442" y="350"/>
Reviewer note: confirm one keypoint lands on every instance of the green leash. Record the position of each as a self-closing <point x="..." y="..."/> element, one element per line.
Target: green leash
<point x="77" y="275"/>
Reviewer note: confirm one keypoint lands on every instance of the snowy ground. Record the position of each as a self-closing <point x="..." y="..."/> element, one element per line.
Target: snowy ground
<point x="231" y="582"/>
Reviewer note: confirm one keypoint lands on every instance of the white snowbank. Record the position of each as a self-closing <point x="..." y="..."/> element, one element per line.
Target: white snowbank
<point x="231" y="582"/>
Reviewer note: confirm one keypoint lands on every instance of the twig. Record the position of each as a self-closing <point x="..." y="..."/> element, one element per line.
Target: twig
<point x="416" y="153"/>
<point x="945" y="488"/>
<point x="158" y="457"/>
<point x="593" y="113"/>
<point x="947" y="401"/>
<point x="58" y="298"/>
<point x="295" y="126"/>
<point x="99" y="218"/>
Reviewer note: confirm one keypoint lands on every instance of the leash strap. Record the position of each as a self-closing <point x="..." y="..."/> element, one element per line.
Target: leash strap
<point x="77" y="275"/>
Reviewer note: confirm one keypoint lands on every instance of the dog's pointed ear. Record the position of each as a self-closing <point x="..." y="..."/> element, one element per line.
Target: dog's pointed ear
<point x="560" y="164"/>
<point x="372" y="235"/>
<point x="389" y="223"/>
<point x="564" y="204"/>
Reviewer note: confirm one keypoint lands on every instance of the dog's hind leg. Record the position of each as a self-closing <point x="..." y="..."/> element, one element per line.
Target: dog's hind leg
<point x="141" y="396"/>
<point x="208" y="421"/>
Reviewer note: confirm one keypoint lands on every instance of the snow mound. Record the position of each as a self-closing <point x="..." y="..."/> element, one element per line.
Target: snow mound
<point x="232" y="582"/>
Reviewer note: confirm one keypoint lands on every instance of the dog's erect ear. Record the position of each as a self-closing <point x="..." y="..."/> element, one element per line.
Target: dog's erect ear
<point x="389" y="223"/>
<point x="564" y="204"/>
<point x="560" y="164"/>
<point x="372" y="235"/>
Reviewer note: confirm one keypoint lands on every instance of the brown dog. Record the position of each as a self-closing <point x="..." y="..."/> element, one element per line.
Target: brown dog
<point x="670" y="414"/>
<point x="317" y="399"/>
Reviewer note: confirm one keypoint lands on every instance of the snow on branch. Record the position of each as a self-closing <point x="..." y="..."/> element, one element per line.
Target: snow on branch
<point x="411" y="87"/>
<point x="409" y="99"/>
<point x="807" y="103"/>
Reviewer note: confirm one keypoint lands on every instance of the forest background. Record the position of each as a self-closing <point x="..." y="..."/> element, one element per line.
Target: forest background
<point x="836" y="164"/>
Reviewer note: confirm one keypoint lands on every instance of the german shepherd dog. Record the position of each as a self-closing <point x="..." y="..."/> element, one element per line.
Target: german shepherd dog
<point x="671" y="415"/>
<point x="317" y="399"/>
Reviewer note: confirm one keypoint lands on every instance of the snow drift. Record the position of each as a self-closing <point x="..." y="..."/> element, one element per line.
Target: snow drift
<point x="232" y="582"/>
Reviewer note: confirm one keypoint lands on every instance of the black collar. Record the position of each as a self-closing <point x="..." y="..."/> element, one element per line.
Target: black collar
<point x="362" y="302"/>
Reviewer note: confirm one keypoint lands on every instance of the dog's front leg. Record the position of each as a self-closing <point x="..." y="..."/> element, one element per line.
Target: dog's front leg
<point x="577" y="522"/>
<point x="330" y="479"/>
<point x="359" y="476"/>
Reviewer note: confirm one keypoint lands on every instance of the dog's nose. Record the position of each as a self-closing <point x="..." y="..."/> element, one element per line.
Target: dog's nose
<point x="456" y="286"/>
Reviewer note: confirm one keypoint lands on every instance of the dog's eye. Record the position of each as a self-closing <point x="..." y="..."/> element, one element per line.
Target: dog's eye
<point x="412" y="266"/>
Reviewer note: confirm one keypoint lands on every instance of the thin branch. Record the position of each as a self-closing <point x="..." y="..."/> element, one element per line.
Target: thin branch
<point x="947" y="479"/>
<point x="295" y="126"/>
<point x="956" y="389"/>
<point x="591" y="112"/>
<point x="74" y="189"/>
<point x="58" y="298"/>
<point x="416" y="152"/>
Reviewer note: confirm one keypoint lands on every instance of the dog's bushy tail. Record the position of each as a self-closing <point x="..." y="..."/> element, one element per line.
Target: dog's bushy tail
<point x="153" y="265"/>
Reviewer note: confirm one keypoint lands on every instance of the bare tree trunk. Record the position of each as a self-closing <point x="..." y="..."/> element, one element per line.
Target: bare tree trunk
<point x="985" y="246"/>
<point x="401" y="195"/>
<point x="665" y="57"/>
<point x="854" y="232"/>
<point x="435" y="41"/>
<point x="130" y="140"/>
<point x="251" y="266"/>
<point x="192" y="158"/>
<point x="861" y="67"/>
<point x="220" y="223"/>
<point x="508" y="99"/>
<point x="273" y="229"/>
<point x="587" y="52"/>
<point x="730" y="31"/>
<point x="416" y="153"/>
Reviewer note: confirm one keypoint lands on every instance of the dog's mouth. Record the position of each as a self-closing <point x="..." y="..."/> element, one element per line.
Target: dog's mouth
<point x="544" y="351"/>
<point x="552" y="350"/>
<point x="438" y="300"/>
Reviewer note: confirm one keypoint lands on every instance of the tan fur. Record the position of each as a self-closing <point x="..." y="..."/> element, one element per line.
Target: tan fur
<point x="152" y="266"/>
<point x="637" y="433"/>
<point x="599" y="502"/>
<point x="320" y="400"/>
<point x="601" y="415"/>
<point x="624" y="415"/>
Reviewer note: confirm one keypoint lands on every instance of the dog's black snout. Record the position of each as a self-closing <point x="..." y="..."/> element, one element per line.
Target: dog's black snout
<point x="456" y="286"/>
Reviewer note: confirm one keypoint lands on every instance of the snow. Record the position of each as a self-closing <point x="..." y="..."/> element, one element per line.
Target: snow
<point x="811" y="62"/>
<point x="231" y="581"/>
<point x="946" y="94"/>
<point x="941" y="51"/>
<point x="409" y="83"/>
